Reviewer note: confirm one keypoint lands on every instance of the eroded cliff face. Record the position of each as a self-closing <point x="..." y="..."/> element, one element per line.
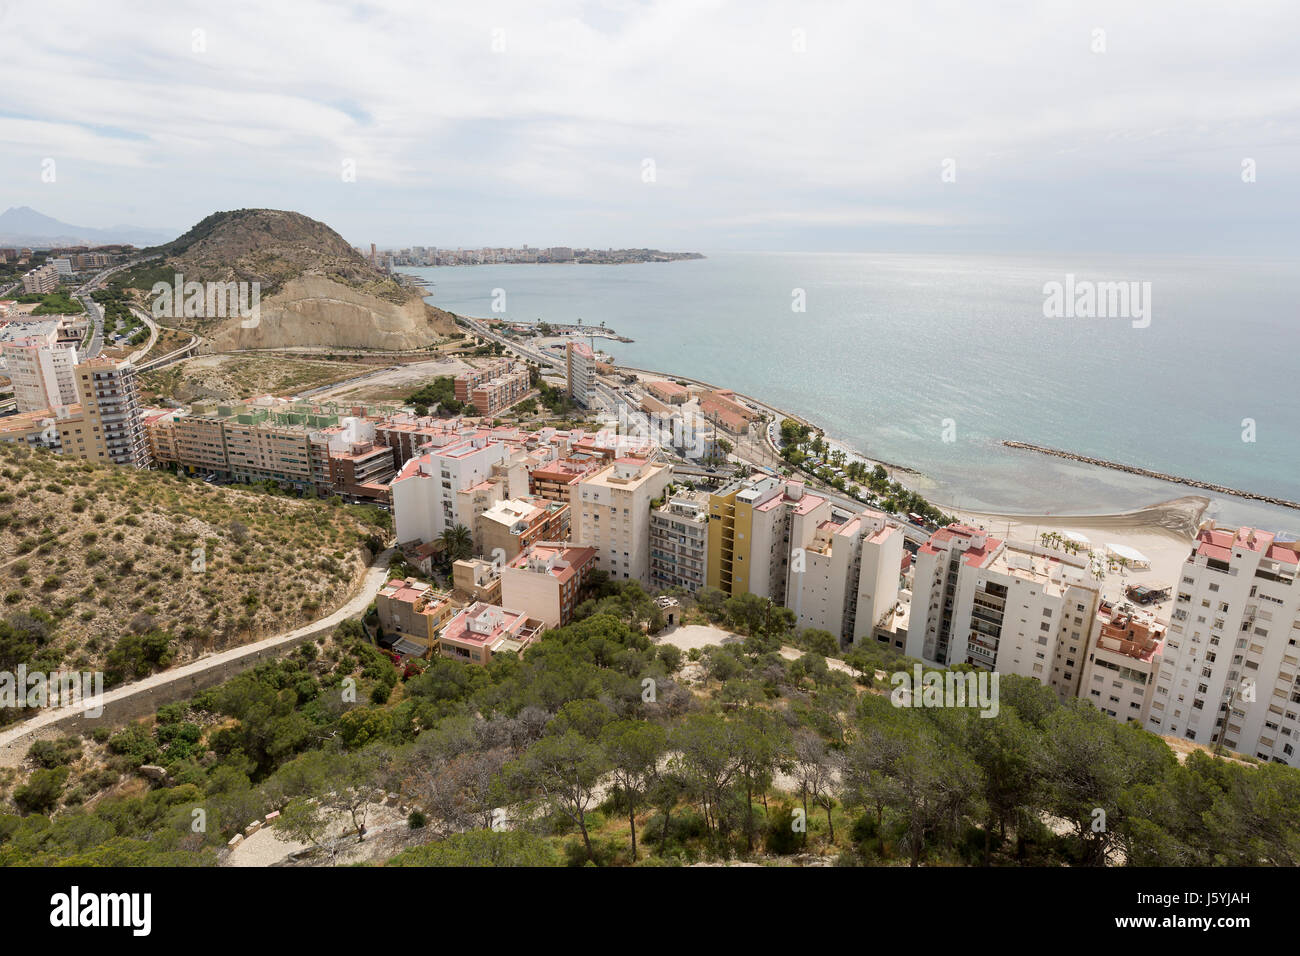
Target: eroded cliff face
<point x="316" y="311"/>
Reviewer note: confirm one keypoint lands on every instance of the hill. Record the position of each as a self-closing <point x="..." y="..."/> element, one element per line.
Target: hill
<point x="98" y="565"/>
<point x="315" y="289"/>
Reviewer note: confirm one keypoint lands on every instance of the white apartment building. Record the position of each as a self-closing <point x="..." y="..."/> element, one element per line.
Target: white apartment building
<point x="580" y="367"/>
<point x="610" y="511"/>
<point x="1231" y="659"/>
<point x="1119" y="676"/>
<point x="1010" y="607"/>
<point x="42" y="280"/>
<point x="846" y="576"/>
<point x="425" y="492"/>
<point x="42" y="371"/>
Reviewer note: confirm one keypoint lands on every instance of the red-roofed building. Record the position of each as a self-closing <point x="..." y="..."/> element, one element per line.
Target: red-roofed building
<point x="481" y="631"/>
<point x="668" y="392"/>
<point x="544" y="581"/>
<point x="723" y="409"/>
<point x="411" y="612"/>
<point x="1119" y="677"/>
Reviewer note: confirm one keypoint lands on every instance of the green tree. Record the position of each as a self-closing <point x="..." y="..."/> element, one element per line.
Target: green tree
<point x="706" y="760"/>
<point x="565" y="771"/>
<point x="633" y="749"/>
<point x="457" y="543"/>
<point x="42" y="791"/>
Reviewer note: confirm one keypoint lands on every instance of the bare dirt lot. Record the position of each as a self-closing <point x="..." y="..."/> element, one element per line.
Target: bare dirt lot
<point x="393" y="385"/>
<point x="233" y="377"/>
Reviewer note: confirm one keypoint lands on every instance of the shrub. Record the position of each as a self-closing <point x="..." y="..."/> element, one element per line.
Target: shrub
<point x="42" y="791"/>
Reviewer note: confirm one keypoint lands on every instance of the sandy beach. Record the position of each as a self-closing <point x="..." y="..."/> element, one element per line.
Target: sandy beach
<point x="1162" y="532"/>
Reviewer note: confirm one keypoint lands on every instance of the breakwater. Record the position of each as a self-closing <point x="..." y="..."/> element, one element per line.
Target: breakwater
<point x="1148" y="473"/>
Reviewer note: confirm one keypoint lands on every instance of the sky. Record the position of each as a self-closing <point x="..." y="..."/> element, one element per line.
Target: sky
<point x="1163" y="126"/>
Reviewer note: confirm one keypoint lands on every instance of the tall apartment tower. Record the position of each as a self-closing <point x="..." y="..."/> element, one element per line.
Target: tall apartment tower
<point x="109" y="427"/>
<point x="1010" y="607"/>
<point x="844" y="577"/>
<point x="752" y="522"/>
<point x="679" y="542"/>
<point x="580" y="372"/>
<point x="1231" y="661"/>
<point x="43" y="372"/>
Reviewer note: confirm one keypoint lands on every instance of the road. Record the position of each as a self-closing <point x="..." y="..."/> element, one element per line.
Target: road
<point x="481" y="330"/>
<point x="15" y="740"/>
<point x="154" y="331"/>
<point x="95" y="341"/>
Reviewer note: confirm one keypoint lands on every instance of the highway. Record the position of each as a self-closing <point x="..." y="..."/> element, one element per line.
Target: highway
<point x="94" y="342"/>
<point x="481" y="331"/>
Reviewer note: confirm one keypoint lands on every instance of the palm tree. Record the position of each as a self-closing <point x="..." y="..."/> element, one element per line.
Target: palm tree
<point x="457" y="543"/>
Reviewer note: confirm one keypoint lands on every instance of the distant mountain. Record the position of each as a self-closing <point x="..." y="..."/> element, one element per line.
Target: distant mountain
<point x="24" y="226"/>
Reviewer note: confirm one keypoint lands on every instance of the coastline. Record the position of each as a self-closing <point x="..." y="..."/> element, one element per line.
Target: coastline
<point x="1128" y="524"/>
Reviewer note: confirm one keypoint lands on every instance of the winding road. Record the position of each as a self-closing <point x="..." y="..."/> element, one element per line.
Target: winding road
<point x="181" y="682"/>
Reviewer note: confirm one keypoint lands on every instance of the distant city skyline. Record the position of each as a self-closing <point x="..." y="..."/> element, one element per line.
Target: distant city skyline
<point x="671" y="125"/>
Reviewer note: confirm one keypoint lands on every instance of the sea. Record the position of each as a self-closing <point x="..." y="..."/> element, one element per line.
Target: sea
<point x="930" y="361"/>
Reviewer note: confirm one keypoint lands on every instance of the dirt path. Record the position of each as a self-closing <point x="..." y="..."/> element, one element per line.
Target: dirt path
<point x="15" y="740"/>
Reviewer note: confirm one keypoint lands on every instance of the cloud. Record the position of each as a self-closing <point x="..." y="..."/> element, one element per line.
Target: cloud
<point x="476" y="123"/>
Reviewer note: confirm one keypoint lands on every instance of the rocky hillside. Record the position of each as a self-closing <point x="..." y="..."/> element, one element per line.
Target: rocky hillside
<point x="129" y="571"/>
<point x="315" y="289"/>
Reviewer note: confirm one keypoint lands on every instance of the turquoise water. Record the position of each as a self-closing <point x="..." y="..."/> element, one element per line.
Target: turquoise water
<point x="891" y="346"/>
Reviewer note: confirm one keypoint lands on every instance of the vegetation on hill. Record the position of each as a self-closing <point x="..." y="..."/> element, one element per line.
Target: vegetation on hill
<point x="104" y="567"/>
<point x="234" y="378"/>
<point x="271" y="247"/>
<point x="58" y="302"/>
<point x="601" y="746"/>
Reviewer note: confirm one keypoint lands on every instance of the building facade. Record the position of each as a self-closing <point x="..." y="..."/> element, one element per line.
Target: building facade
<point x="1231" y="662"/>
<point x="679" y="542"/>
<point x="611" y="513"/>
<point x="109" y="427"/>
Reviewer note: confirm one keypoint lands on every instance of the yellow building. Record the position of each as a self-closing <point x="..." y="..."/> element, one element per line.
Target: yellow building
<point x="751" y="524"/>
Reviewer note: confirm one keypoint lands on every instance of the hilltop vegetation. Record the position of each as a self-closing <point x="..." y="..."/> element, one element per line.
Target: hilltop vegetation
<point x="272" y="246"/>
<point x="111" y="568"/>
<point x="604" y="747"/>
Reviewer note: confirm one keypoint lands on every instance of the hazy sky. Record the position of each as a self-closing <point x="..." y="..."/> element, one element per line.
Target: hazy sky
<point x="779" y="126"/>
